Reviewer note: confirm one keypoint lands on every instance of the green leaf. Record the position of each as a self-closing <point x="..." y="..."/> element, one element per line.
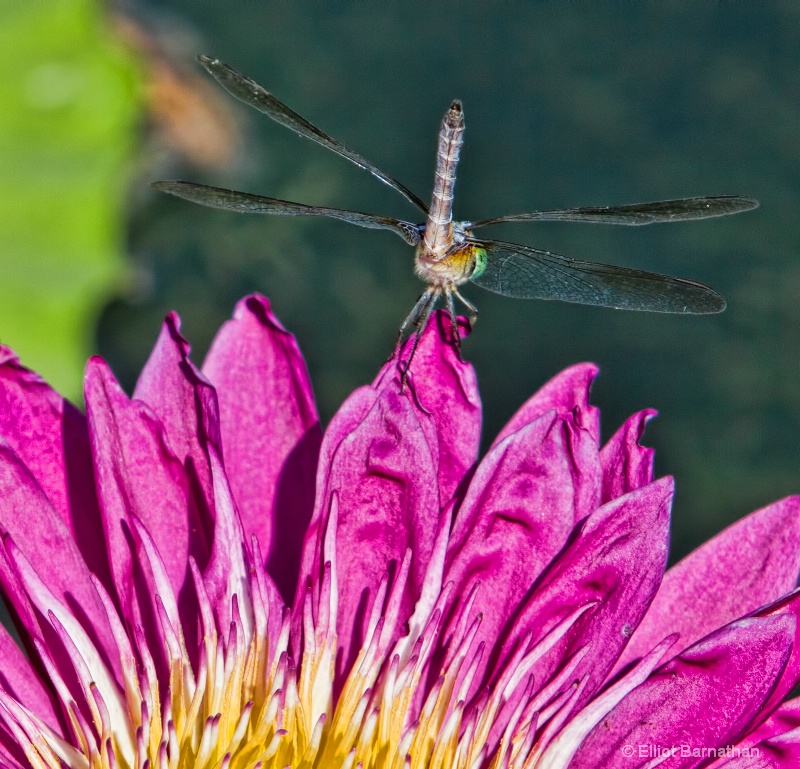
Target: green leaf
<point x="68" y="111"/>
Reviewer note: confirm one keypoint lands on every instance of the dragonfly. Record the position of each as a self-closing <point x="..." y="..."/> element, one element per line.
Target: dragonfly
<point x="448" y="254"/>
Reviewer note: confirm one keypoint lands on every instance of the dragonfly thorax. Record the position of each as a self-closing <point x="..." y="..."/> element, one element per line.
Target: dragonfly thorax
<point x="458" y="263"/>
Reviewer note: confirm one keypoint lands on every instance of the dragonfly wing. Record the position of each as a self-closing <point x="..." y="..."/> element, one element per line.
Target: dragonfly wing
<point x="529" y="273"/>
<point x="256" y="96"/>
<point x="637" y="213"/>
<point x="243" y="202"/>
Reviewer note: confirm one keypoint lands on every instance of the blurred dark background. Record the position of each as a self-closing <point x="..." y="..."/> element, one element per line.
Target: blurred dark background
<point x="566" y="104"/>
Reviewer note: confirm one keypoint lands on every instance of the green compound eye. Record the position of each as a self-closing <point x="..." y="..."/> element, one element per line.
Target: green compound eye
<point x="480" y="262"/>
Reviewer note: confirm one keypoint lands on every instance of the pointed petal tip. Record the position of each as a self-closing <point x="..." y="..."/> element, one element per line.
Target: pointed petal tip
<point x="634" y="429"/>
<point x="627" y="463"/>
<point x="173" y="319"/>
<point x="437" y="361"/>
<point x="440" y="335"/>
<point x="567" y="392"/>
<point x="7" y="355"/>
<point x="172" y="326"/>
<point x="587" y="370"/>
<point x="645" y="415"/>
<point x="260" y="307"/>
<point x="667" y="483"/>
<point x="97" y="369"/>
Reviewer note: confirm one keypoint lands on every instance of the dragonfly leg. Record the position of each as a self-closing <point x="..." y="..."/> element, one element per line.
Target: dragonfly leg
<point x="412" y="319"/>
<point x="473" y="310"/>
<point x="419" y="317"/>
<point x="451" y="311"/>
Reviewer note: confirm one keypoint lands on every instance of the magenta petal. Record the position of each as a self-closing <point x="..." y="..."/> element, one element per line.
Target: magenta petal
<point x="780" y="752"/>
<point x="614" y="565"/>
<point x="186" y="404"/>
<point x="785" y="719"/>
<point x="627" y="465"/>
<point x="521" y="506"/>
<point x="385" y="478"/>
<point x="567" y="392"/>
<point x="138" y="475"/>
<point x="40" y="533"/>
<point x="486" y="604"/>
<point x="377" y="461"/>
<point x="270" y="431"/>
<point x="788" y="606"/>
<point x="344" y="422"/>
<point x="49" y="435"/>
<point x="751" y="563"/>
<point x="227" y="569"/>
<point x="23" y="682"/>
<point x="446" y="389"/>
<point x="7" y="759"/>
<point x="382" y="456"/>
<point x="776" y="743"/>
<point x="704" y="698"/>
<point x="11" y="755"/>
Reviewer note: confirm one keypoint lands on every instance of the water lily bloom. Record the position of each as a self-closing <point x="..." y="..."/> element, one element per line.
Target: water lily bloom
<point x="200" y="578"/>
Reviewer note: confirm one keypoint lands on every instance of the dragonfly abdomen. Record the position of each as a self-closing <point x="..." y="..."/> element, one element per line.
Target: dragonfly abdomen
<point x="439" y="230"/>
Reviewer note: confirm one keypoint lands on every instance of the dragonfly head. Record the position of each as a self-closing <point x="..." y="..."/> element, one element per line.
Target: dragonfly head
<point x="454" y="117"/>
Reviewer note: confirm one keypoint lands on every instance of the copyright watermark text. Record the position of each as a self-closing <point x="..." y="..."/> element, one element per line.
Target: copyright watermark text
<point x="647" y="750"/>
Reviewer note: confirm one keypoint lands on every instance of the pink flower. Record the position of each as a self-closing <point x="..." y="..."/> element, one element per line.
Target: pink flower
<point x="441" y="612"/>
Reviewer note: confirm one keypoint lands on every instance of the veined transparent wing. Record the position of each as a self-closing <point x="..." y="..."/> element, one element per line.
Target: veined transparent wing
<point x="530" y="273"/>
<point x="250" y="92"/>
<point x="244" y="202"/>
<point x="636" y="214"/>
